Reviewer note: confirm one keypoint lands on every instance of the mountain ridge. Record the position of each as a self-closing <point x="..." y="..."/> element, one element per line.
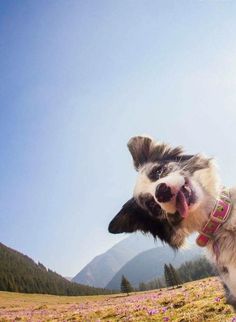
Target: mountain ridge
<point x="100" y="270"/>
<point x="149" y="264"/>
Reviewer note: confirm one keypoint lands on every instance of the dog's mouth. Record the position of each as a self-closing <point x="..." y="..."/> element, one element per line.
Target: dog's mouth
<point x="184" y="198"/>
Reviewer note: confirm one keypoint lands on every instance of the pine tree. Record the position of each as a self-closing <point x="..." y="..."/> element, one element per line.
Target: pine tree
<point x="168" y="275"/>
<point x="175" y="276"/>
<point x="159" y="283"/>
<point x="125" y="285"/>
<point x="142" y="286"/>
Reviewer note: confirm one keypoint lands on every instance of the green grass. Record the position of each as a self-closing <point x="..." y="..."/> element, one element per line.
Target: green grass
<point x="197" y="301"/>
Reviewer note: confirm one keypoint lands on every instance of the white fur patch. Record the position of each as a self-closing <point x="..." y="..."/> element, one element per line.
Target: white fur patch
<point x="144" y="185"/>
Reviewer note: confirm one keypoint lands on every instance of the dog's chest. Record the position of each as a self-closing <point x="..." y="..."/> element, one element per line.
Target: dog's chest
<point x="223" y="253"/>
<point x="228" y="275"/>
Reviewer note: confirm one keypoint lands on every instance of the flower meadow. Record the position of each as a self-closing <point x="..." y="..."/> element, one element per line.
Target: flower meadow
<point x="196" y="301"/>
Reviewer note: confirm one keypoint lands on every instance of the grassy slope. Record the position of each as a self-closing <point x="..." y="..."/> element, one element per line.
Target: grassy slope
<point x="197" y="301"/>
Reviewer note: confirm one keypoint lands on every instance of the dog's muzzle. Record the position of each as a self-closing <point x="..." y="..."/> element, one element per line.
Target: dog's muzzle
<point x="181" y="198"/>
<point x="163" y="193"/>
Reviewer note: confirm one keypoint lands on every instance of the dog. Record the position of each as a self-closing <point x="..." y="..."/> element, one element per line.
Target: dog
<point x="177" y="194"/>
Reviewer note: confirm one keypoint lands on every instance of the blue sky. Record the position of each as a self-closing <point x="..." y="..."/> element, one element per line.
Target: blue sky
<point x="78" y="79"/>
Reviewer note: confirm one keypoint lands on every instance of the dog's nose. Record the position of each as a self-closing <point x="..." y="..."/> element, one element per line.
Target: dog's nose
<point x="163" y="193"/>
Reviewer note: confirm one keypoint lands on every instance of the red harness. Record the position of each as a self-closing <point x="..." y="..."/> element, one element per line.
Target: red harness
<point x="218" y="217"/>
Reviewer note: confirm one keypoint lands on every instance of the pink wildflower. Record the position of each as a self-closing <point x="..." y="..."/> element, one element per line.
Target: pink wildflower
<point x="153" y="311"/>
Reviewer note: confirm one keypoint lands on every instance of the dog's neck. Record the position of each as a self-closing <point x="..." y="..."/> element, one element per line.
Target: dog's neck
<point x="200" y="216"/>
<point x="195" y="220"/>
<point x="218" y="216"/>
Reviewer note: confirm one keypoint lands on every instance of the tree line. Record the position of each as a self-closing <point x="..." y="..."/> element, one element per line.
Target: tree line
<point x="19" y="273"/>
<point x="187" y="272"/>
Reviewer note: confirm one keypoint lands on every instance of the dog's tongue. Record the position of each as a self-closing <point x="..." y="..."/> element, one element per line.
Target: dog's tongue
<point x="181" y="204"/>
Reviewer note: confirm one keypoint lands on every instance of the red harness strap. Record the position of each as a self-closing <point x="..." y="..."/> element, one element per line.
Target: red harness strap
<point x="217" y="218"/>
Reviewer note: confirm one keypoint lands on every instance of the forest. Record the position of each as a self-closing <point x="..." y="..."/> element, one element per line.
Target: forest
<point x="19" y="273"/>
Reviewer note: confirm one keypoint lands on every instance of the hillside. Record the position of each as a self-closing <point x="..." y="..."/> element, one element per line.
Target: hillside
<point x="103" y="267"/>
<point x="19" y="273"/>
<point x="149" y="264"/>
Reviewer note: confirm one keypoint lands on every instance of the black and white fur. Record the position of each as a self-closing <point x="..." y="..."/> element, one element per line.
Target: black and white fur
<point x="173" y="197"/>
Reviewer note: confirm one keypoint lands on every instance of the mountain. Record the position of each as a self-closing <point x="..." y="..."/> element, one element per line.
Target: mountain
<point x="19" y="273"/>
<point x="103" y="267"/>
<point x="149" y="264"/>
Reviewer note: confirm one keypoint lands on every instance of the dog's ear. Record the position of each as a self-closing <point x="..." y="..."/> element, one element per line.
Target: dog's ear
<point x="197" y="162"/>
<point x="129" y="219"/>
<point x="140" y="148"/>
<point x="132" y="218"/>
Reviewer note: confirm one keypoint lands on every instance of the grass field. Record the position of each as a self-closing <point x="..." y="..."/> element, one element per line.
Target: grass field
<point x="197" y="301"/>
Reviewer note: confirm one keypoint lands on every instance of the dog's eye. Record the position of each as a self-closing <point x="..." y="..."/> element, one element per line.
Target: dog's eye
<point x="151" y="204"/>
<point x="157" y="172"/>
<point x="153" y="207"/>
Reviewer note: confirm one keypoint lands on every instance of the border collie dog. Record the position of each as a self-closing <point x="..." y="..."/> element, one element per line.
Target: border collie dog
<point x="177" y="194"/>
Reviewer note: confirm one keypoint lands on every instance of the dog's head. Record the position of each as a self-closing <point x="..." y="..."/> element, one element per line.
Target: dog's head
<point x="171" y="186"/>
